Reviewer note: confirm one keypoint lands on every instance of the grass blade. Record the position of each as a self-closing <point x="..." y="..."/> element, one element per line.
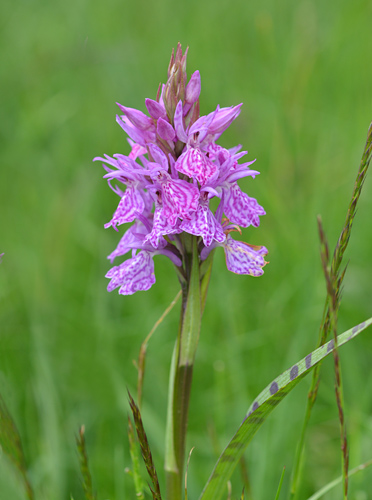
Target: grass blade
<point x="337" y="481"/>
<point x="145" y="448"/>
<point x="187" y="470"/>
<point x="280" y="485"/>
<point x="11" y="445"/>
<point x="84" y="466"/>
<point x="269" y="398"/>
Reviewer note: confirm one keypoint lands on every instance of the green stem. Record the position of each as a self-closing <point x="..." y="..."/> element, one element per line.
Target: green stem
<point x="181" y="371"/>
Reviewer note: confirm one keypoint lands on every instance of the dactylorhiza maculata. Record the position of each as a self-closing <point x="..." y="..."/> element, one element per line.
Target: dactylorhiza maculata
<point x="165" y="185"/>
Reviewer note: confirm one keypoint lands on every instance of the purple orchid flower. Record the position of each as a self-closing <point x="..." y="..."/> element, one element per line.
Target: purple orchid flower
<point x="203" y="223"/>
<point x="241" y="258"/>
<point x="166" y="183"/>
<point x="133" y="275"/>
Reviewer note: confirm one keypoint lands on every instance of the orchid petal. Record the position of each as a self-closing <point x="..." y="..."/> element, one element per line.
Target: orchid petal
<point x="223" y="119"/>
<point x="203" y="223"/>
<point x="133" y="132"/>
<point x="133" y="275"/>
<point x="240" y="173"/>
<point x="180" y="198"/>
<point x="137" y="118"/>
<point x="195" y="164"/>
<point x="137" y="150"/>
<point x="242" y="258"/>
<point x="130" y="204"/>
<point x="155" y="109"/>
<point x="160" y="228"/>
<point x="159" y="157"/>
<point x="178" y="123"/>
<point x="133" y="236"/>
<point x="193" y="88"/>
<point x="165" y="130"/>
<point x="240" y="208"/>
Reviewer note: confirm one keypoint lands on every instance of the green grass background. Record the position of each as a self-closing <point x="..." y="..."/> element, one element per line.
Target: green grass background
<point x="303" y="70"/>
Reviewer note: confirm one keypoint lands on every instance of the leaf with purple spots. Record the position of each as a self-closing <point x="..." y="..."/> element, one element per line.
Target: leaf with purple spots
<point x="262" y="406"/>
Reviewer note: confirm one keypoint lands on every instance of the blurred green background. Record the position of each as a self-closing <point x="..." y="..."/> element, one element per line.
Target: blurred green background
<point x="303" y="70"/>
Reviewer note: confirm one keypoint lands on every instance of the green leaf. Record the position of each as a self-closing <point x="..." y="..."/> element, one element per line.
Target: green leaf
<point x="280" y="485"/>
<point x="263" y="405"/>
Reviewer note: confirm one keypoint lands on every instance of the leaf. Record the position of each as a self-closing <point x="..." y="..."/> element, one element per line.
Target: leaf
<point x="262" y="406"/>
<point x="280" y="485"/>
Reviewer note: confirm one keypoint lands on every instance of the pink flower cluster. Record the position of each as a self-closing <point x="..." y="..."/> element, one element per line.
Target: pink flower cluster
<point x="166" y="183"/>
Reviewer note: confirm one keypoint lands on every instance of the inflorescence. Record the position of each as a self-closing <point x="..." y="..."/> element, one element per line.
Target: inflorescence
<point x="168" y="193"/>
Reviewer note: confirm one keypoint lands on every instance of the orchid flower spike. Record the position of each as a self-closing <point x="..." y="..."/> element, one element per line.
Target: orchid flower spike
<point x="173" y="176"/>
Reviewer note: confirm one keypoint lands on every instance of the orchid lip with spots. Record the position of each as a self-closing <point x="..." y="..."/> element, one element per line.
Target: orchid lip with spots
<point x="165" y="185"/>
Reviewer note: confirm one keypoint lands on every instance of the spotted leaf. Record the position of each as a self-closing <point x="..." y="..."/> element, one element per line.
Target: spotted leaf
<point x="261" y="407"/>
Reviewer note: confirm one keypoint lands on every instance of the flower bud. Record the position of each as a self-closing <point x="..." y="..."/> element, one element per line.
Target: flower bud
<point x="137" y="118"/>
<point x="175" y="88"/>
<point x="193" y="88"/>
<point x="155" y="109"/>
<point x="223" y="118"/>
<point x="165" y="130"/>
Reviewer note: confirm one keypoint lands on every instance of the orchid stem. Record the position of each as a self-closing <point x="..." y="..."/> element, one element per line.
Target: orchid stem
<point x="181" y="372"/>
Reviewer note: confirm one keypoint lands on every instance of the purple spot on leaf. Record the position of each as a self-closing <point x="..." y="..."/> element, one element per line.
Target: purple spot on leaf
<point x="308" y="361"/>
<point x="294" y="372"/>
<point x="331" y="345"/>
<point x="255" y="406"/>
<point x="274" y="388"/>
